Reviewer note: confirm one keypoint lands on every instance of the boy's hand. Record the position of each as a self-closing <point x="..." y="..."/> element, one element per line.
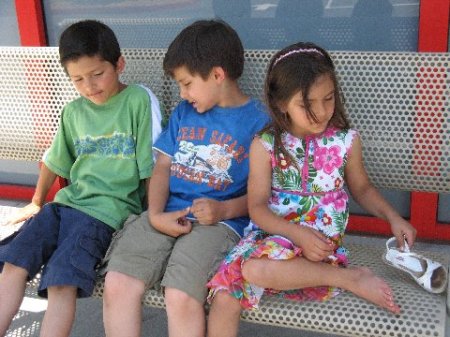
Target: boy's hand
<point x="402" y="229"/>
<point x="23" y="214"/>
<point x="316" y="246"/>
<point x="207" y="211"/>
<point x="172" y="223"/>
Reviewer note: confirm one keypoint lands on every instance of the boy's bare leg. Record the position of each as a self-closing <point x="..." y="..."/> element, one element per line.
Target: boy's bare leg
<point x="303" y="273"/>
<point x="122" y="308"/>
<point x="12" y="289"/>
<point x="185" y="315"/>
<point x="58" y="318"/>
<point x="224" y="316"/>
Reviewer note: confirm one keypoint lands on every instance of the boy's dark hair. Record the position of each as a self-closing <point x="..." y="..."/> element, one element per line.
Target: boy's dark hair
<point x="88" y="38"/>
<point x="203" y="45"/>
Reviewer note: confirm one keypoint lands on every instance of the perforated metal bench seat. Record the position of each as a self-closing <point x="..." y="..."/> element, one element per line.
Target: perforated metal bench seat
<point x="423" y="314"/>
<point x="399" y="101"/>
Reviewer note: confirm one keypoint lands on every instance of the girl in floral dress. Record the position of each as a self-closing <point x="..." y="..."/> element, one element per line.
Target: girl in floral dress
<point x="296" y="197"/>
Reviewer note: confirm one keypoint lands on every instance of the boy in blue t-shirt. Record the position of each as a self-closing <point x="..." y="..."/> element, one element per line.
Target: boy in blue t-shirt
<point x="104" y="146"/>
<point x="197" y="194"/>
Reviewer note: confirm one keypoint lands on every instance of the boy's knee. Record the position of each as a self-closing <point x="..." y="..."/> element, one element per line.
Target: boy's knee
<point x="12" y="271"/>
<point x="70" y="291"/>
<point x="175" y="298"/>
<point x="118" y="284"/>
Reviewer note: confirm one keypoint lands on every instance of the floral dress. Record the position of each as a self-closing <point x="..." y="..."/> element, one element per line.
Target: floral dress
<point x="313" y="197"/>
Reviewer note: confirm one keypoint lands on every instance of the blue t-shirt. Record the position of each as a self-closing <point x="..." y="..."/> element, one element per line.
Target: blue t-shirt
<point x="209" y="154"/>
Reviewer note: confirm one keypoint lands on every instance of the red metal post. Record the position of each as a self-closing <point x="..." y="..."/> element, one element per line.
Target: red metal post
<point x="31" y="23"/>
<point x="433" y="37"/>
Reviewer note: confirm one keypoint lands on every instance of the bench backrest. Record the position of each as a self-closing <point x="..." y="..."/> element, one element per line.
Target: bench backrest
<point x="399" y="101"/>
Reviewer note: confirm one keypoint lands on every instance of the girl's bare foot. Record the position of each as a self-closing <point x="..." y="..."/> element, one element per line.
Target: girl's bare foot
<point x="372" y="288"/>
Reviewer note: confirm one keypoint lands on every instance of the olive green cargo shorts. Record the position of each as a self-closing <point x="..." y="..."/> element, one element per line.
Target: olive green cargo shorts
<point x="185" y="263"/>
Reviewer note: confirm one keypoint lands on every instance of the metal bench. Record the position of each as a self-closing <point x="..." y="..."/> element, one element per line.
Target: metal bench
<point x="398" y="100"/>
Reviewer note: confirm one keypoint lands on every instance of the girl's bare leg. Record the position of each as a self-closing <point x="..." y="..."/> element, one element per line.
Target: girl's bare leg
<point x="301" y="273"/>
<point x="12" y="289"/>
<point x="224" y="316"/>
<point x="58" y="318"/>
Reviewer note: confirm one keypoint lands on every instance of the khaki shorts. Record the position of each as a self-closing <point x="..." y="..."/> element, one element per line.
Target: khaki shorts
<point x="186" y="263"/>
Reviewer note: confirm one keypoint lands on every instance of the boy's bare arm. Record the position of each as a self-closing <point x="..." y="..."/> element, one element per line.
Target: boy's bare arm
<point x="210" y="211"/>
<point x="158" y="186"/>
<point x="234" y="208"/>
<point x="170" y="223"/>
<point x="44" y="183"/>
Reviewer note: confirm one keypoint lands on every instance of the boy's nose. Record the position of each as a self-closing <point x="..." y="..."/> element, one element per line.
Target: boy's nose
<point x="88" y="84"/>
<point x="183" y="93"/>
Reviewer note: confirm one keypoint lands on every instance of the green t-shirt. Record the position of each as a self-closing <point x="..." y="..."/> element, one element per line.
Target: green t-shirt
<point x="106" y="152"/>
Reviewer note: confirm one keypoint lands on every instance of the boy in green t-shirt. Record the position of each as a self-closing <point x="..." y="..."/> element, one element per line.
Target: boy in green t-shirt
<point x="104" y="146"/>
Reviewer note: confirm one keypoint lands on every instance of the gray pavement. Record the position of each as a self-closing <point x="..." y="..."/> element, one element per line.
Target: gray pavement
<point x="89" y="322"/>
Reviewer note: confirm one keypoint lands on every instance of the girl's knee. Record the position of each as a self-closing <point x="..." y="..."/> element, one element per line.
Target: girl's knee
<point x="253" y="270"/>
<point x="224" y="301"/>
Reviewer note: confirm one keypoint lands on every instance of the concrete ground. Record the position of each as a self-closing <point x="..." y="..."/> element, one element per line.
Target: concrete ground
<point x="88" y="323"/>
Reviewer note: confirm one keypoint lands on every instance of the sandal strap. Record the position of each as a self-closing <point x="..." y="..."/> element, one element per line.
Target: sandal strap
<point x="394" y="239"/>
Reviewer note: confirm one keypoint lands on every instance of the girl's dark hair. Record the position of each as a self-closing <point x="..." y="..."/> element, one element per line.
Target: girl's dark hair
<point x="203" y="45"/>
<point x="88" y="38"/>
<point x="295" y="69"/>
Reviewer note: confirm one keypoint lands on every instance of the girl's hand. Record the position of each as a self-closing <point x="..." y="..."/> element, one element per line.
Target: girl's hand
<point x="316" y="246"/>
<point x="402" y="229"/>
<point x="172" y="223"/>
<point x="23" y="214"/>
<point x="207" y="211"/>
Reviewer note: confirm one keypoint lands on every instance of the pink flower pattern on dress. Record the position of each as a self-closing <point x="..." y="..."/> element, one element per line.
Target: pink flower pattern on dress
<point x="329" y="132"/>
<point x="327" y="159"/>
<point x="338" y="199"/>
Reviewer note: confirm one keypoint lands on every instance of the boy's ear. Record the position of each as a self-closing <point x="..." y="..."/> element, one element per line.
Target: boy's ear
<point x="219" y="74"/>
<point x="120" y="67"/>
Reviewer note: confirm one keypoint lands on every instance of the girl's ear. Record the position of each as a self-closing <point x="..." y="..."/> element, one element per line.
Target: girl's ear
<point x="219" y="74"/>
<point x="120" y="66"/>
<point x="283" y="108"/>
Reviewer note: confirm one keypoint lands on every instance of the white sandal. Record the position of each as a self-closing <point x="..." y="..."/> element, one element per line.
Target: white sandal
<point x="429" y="274"/>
